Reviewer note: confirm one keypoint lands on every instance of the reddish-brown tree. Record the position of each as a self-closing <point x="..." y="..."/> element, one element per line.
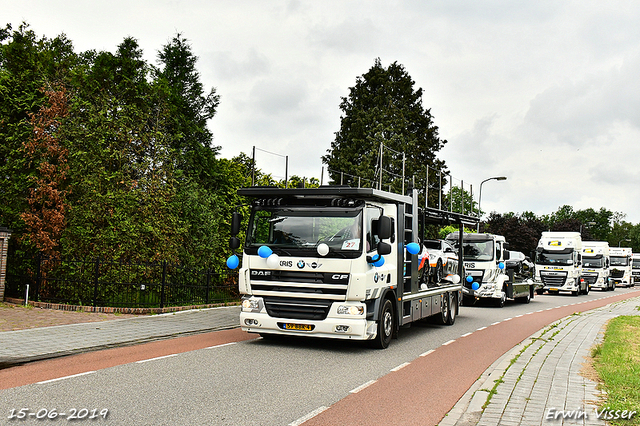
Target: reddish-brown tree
<point x="45" y="218"/>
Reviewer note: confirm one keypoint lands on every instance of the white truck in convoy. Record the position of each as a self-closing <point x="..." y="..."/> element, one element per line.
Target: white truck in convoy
<point x="621" y="266"/>
<point x="559" y="263"/>
<point x="635" y="268"/>
<point x="595" y="265"/>
<point x="338" y="262"/>
<point x="486" y="276"/>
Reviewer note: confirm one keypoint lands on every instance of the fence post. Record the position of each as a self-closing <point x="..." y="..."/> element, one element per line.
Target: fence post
<point x="96" y="272"/>
<point x="164" y="281"/>
<point x="38" y="278"/>
<point x="208" y="283"/>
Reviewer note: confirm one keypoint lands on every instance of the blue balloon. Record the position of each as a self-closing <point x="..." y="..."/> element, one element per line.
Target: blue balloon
<point x="475" y="286"/>
<point x="469" y="278"/>
<point x="413" y="248"/>
<point x="264" y="252"/>
<point x="501" y="265"/>
<point x="233" y="262"/>
<point x="379" y="262"/>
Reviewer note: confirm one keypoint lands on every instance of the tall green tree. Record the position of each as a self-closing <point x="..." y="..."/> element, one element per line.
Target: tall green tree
<point x="384" y="109"/>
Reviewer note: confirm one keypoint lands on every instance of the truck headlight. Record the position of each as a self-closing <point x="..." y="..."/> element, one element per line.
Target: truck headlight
<point x="251" y="305"/>
<point x="350" y="310"/>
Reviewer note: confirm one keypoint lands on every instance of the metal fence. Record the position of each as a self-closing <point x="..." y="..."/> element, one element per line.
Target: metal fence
<point x="101" y="282"/>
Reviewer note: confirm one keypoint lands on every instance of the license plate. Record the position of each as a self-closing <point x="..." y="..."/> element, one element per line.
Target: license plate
<point x="303" y="327"/>
<point x="553" y="289"/>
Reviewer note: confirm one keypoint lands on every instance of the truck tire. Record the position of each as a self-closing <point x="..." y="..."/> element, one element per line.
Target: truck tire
<point x="385" y="326"/>
<point x="443" y="316"/>
<point x="453" y="308"/>
<point x="524" y="299"/>
<point x="500" y="302"/>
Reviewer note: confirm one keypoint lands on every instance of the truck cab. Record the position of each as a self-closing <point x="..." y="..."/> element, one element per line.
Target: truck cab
<point x="559" y="263"/>
<point x="595" y="265"/>
<point x="621" y="266"/>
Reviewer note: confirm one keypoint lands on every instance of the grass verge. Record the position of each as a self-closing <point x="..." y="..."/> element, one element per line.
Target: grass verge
<point x="617" y="361"/>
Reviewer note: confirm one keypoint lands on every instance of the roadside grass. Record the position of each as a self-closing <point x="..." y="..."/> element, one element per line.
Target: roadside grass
<point x="617" y="362"/>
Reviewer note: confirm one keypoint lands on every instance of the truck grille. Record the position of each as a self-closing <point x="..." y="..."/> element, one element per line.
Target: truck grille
<point x="590" y="278"/>
<point x="299" y="294"/>
<point x="617" y="273"/>
<point x="306" y="309"/>
<point x="553" y="279"/>
<point x="475" y="274"/>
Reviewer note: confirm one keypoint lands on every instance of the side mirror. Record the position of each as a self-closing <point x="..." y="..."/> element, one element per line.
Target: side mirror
<point x="234" y="243"/>
<point x="385" y="228"/>
<point x="506" y="255"/>
<point x="384" y="248"/>
<point x="236" y="219"/>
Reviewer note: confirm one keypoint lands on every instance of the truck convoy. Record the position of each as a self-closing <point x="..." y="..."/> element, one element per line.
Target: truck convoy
<point x="486" y="277"/>
<point x="635" y="268"/>
<point x="595" y="265"/>
<point x="621" y="266"/>
<point x="559" y="263"/>
<point x="339" y="262"/>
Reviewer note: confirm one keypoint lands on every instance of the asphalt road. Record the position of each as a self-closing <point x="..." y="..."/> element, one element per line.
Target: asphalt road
<point x="260" y="382"/>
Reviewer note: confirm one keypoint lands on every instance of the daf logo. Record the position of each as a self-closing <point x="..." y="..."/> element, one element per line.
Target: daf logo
<point x="339" y="276"/>
<point x="261" y="273"/>
<point x="301" y="263"/>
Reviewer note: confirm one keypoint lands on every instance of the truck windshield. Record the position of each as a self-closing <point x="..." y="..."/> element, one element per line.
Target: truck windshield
<point x="294" y="229"/>
<point x="636" y="263"/>
<point x="619" y="261"/>
<point x="593" y="262"/>
<point x="562" y="258"/>
<point x="478" y="250"/>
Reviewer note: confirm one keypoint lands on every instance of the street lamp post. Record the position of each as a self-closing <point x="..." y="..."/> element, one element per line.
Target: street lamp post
<point x="626" y="239"/>
<point x="480" y="196"/>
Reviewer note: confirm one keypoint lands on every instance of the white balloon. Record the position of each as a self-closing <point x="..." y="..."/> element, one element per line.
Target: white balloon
<point x="273" y="261"/>
<point x="323" y="249"/>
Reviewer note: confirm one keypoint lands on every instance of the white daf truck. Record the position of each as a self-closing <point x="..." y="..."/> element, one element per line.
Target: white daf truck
<point x="486" y="275"/>
<point x="635" y="268"/>
<point x="338" y="262"/>
<point x="621" y="266"/>
<point x="559" y="263"/>
<point x="595" y="265"/>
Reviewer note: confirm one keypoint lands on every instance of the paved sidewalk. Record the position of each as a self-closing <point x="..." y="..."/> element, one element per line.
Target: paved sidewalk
<point x="22" y="346"/>
<point x="547" y="379"/>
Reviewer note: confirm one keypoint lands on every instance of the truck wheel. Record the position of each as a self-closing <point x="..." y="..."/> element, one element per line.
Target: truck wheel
<point x="525" y="299"/>
<point x="539" y="291"/>
<point x="453" y="308"/>
<point x="385" y="326"/>
<point x="443" y="316"/>
<point x="500" y="302"/>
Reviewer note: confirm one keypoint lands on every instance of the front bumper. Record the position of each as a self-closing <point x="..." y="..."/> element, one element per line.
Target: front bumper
<point x="333" y="326"/>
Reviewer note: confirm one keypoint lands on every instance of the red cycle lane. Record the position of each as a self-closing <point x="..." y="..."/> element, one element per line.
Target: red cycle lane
<point x="424" y="391"/>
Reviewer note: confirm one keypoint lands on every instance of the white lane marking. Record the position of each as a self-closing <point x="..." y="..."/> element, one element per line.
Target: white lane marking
<point x="427" y="352"/>
<point x="448" y="343"/>
<point x="507" y="319"/>
<point x="466" y="334"/>
<point x="359" y="388"/>
<point x="154" y="359"/>
<point x="404" y="364"/>
<point x="496" y="323"/>
<point x="308" y="416"/>
<point x="481" y="328"/>
<point x="221" y="345"/>
<point x="66" y="377"/>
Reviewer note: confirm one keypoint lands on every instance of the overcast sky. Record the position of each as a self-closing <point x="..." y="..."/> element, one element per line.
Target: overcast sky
<point x="545" y="92"/>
